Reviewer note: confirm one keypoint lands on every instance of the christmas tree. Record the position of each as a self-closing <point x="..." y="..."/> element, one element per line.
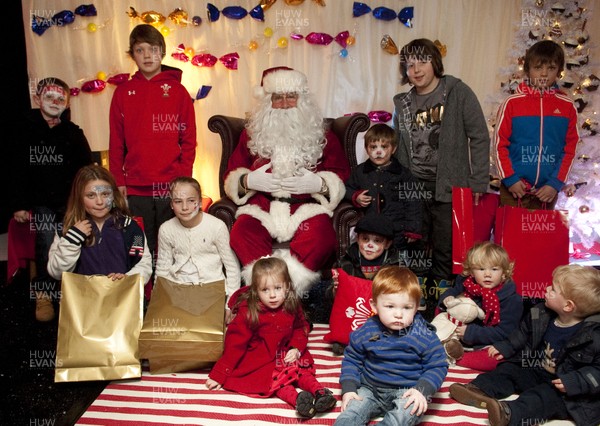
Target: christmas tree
<point x="565" y="23"/>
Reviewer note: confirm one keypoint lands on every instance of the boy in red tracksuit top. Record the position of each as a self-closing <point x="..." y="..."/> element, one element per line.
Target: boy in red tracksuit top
<point x="152" y="131"/>
<point x="536" y="132"/>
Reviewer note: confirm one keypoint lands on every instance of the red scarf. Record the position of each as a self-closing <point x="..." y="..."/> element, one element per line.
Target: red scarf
<point x="489" y="299"/>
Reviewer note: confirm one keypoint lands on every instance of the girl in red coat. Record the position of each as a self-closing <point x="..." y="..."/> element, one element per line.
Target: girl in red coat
<point x="265" y="345"/>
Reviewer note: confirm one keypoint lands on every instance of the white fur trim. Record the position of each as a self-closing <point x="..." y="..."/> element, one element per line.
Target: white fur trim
<point x="231" y="186"/>
<point x="246" y="273"/>
<point x="302" y="277"/>
<point x="336" y="193"/>
<point x="285" y="81"/>
<point x="278" y="221"/>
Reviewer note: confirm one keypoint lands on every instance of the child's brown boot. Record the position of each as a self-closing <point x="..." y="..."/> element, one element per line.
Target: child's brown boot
<point x="44" y="311"/>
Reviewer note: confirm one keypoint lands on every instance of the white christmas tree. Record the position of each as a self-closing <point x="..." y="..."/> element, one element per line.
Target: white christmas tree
<point x="565" y="23"/>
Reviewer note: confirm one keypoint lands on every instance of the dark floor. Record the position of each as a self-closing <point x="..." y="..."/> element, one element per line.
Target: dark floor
<point x="28" y="349"/>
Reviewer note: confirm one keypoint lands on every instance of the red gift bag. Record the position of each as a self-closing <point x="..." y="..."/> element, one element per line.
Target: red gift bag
<point x="470" y="223"/>
<point x="538" y="242"/>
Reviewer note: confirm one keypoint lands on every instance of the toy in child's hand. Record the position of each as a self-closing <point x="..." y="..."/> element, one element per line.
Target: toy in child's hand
<point x="460" y="310"/>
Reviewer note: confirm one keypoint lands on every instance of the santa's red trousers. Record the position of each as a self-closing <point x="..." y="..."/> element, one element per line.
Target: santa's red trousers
<point x="313" y="244"/>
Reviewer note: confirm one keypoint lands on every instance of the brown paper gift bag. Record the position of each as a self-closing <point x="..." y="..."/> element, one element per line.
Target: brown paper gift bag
<point x="184" y="326"/>
<point x="98" y="328"/>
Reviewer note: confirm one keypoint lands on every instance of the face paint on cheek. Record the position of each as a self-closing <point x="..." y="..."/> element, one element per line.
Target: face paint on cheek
<point x="105" y="192"/>
<point x="371" y="246"/>
<point x="195" y="211"/>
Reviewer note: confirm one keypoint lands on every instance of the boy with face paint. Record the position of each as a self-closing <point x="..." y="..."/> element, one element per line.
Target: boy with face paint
<point x="372" y="250"/>
<point x="381" y="185"/>
<point x="47" y="152"/>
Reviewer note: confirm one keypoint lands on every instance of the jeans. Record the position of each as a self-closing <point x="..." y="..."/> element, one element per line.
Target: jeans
<point x="378" y="402"/>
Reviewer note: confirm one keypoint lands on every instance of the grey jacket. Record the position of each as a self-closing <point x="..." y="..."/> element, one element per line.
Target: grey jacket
<point x="464" y="150"/>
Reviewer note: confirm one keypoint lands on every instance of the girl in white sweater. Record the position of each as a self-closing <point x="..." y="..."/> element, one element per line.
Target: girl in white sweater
<point x="193" y="247"/>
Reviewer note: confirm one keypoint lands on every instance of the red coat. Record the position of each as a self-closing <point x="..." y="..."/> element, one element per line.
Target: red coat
<point x="248" y="361"/>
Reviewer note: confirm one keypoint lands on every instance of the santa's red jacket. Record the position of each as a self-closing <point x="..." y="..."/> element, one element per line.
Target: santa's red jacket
<point x="282" y="219"/>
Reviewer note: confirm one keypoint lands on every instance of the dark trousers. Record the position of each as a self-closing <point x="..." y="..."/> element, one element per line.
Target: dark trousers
<point x="46" y="223"/>
<point x="155" y="211"/>
<point x="538" y="401"/>
<point x="437" y="232"/>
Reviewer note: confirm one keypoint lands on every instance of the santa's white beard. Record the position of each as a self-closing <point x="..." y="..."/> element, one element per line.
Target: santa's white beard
<point x="291" y="138"/>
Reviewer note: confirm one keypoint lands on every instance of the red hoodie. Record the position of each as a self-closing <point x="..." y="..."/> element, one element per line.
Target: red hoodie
<point x="152" y="132"/>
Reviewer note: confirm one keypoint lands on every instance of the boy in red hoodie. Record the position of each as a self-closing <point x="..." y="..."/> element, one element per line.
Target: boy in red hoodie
<point x="152" y="131"/>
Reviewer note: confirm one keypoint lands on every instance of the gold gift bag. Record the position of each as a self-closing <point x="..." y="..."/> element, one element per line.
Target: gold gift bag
<point x="184" y="326"/>
<point x="98" y="328"/>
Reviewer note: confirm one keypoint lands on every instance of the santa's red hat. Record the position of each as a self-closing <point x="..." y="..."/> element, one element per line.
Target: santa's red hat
<point x="281" y="80"/>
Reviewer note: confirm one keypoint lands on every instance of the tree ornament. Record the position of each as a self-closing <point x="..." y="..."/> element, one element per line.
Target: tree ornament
<point x="584" y="209"/>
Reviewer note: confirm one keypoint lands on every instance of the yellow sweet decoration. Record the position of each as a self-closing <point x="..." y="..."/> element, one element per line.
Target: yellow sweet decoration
<point x="282" y="42"/>
<point x="101" y="75"/>
<point x="268" y="32"/>
<point x="441" y="47"/>
<point x="253" y="45"/>
<point x="388" y="45"/>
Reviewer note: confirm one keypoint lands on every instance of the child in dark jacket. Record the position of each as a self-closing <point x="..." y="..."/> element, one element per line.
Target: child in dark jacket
<point x="382" y="185"/>
<point x="486" y="278"/>
<point x="552" y="360"/>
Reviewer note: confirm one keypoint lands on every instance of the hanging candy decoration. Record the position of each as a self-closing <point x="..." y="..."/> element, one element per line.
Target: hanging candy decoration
<point x="204" y="60"/>
<point x="165" y="31"/>
<point x="296" y="36"/>
<point x="230" y="60"/>
<point x="360" y="9"/>
<point x="196" y="20"/>
<point x="268" y="32"/>
<point x="39" y="25"/>
<point x="93" y="86"/>
<point x="203" y="92"/>
<point x="441" y="47"/>
<point x="343" y="53"/>
<point x="101" y="75"/>
<point x="179" y="53"/>
<point x="118" y="79"/>
<point x="266" y="4"/>
<point x="74" y="91"/>
<point x="86" y="10"/>
<point x="406" y="16"/>
<point x="252" y="45"/>
<point x="257" y="13"/>
<point x="350" y="40"/>
<point x="379" y="116"/>
<point x="189" y="52"/>
<point x="384" y="13"/>
<point x="294" y="2"/>
<point x="179" y="17"/>
<point x="234" y="12"/>
<point x="149" y="17"/>
<point x="388" y="45"/>
<point x="342" y="38"/>
<point x="91" y="27"/>
<point x="212" y="12"/>
<point x="320" y="2"/>
<point x="319" y="38"/>
<point x="282" y="42"/>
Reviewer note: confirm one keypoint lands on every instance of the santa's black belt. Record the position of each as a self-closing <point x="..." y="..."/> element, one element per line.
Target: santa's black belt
<point x="290" y="200"/>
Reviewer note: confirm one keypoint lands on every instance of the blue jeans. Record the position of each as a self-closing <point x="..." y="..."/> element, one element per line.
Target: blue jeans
<point x="378" y="402"/>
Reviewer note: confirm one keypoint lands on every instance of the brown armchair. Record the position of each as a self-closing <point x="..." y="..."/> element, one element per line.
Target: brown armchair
<point x="346" y="129"/>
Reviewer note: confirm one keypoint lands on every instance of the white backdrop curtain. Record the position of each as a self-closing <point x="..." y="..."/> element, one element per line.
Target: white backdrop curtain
<point x="477" y="33"/>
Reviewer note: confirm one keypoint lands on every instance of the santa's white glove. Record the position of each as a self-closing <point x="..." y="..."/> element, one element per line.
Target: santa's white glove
<point x="306" y="183"/>
<point x="260" y="180"/>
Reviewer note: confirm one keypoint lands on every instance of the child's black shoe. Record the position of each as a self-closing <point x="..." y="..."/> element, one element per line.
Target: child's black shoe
<point x="324" y="400"/>
<point x="337" y="348"/>
<point x="305" y="405"/>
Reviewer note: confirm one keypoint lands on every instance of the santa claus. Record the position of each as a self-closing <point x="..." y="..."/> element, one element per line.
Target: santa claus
<point x="287" y="175"/>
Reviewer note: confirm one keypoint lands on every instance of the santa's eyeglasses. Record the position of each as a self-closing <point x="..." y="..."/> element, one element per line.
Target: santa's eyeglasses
<point x="280" y="98"/>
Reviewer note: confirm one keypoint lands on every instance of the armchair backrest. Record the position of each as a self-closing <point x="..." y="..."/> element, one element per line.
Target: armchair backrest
<point x="229" y="129"/>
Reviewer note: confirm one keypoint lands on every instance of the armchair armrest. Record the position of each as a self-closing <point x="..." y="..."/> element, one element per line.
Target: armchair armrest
<point x="224" y="209"/>
<point x="229" y="129"/>
<point x="345" y="216"/>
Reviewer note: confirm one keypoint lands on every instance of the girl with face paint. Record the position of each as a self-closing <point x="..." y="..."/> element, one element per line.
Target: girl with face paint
<point x="99" y="236"/>
<point x="193" y="247"/>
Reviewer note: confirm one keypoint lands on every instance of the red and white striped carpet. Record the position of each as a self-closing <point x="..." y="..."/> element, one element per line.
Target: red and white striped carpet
<point x="182" y="399"/>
